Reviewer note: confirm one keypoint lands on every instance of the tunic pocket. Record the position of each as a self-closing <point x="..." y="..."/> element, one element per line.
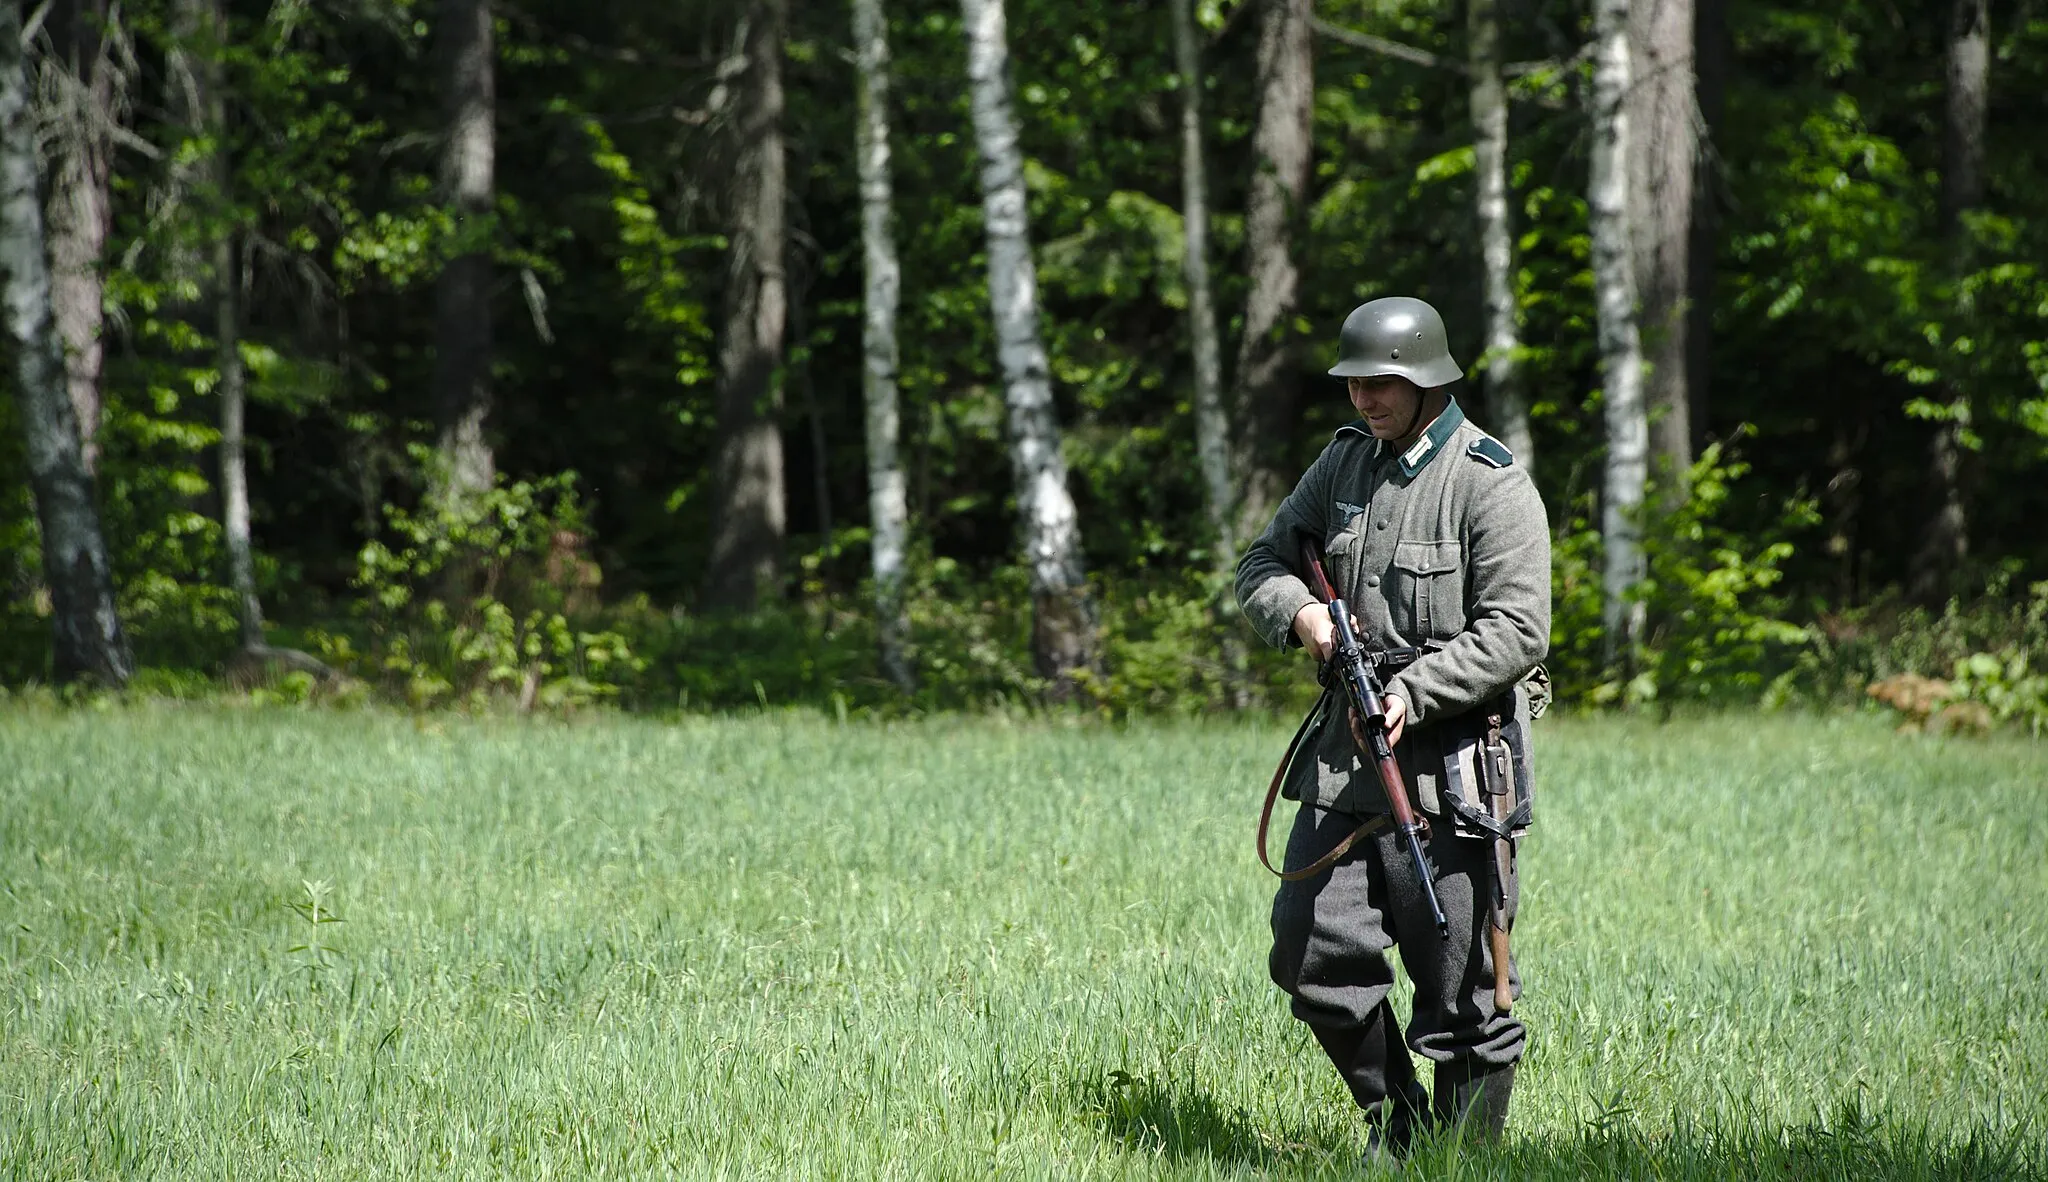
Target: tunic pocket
<point x="1434" y="591"/>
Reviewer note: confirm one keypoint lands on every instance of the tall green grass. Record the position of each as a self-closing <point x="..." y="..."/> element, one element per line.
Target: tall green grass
<point x="329" y="945"/>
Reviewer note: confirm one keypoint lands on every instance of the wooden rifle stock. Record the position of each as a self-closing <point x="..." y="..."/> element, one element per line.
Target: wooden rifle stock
<point x="1366" y="697"/>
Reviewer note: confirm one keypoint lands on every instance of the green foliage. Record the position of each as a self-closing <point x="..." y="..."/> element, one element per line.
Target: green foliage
<point x="969" y="642"/>
<point x="2008" y="684"/>
<point x="1991" y="649"/>
<point x="1848" y="320"/>
<point x="1717" y="626"/>
<point x="1716" y="629"/>
<point x="484" y="601"/>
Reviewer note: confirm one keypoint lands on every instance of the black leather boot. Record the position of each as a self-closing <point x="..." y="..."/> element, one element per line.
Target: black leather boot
<point x="1407" y="1114"/>
<point x="1474" y="1095"/>
<point x="1375" y="1065"/>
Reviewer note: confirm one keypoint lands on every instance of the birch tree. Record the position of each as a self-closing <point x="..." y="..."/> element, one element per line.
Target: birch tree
<point x="888" y="508"/>
<point x="1621" y="354"/>
<point x="87" y="638"/>
<point x="1212" y="426"/>
<point x="1507" y="403"/>
<point x="462" y="296"/>
<point x="84" y="85"/>
<point x="205" y="42"/>
<point x="196" y="70"/>
<point x="1945" y="537"/>
<point x="1212" y="423"/>
<point x="1267" y="398"/>
<point x="1663" y="146"/>
<point x="1063" y="618"/>
<point x="751" y="517"/>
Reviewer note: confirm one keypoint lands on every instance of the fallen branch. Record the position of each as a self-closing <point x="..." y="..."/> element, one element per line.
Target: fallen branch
<point x="259" y="664"/>
<point x="1387" y="47"/>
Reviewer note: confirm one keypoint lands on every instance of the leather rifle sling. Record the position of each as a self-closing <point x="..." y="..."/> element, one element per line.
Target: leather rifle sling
<point x="1503" y="858"/>
<point x="1273" y="793"/>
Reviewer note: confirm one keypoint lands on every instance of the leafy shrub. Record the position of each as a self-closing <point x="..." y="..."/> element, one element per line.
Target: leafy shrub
<point x="1991" y="650"/>
<point x="1161" y="639"/>
<point x="970" y="644"/>
<point x="1716" y="630"/>
<point x="487" y="599"/>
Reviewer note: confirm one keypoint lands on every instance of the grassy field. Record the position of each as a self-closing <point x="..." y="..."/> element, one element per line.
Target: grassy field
<point x="244" y="943"/>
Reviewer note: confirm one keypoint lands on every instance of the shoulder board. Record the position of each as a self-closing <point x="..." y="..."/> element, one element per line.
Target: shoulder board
<point x="1489" y="450"/>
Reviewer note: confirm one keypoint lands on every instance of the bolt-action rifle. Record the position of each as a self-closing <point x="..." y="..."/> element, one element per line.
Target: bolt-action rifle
<point x="1367" y="698"/>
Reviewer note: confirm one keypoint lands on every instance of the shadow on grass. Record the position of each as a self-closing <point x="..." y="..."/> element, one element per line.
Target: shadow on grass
<point x="1174" y="1120"/>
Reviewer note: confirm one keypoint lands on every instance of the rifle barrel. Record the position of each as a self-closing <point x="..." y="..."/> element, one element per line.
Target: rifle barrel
<point x="1363" y="690"/>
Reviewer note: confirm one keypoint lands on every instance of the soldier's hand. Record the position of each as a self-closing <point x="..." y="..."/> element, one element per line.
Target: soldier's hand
<point x="1318" y="635"/>
<point x="1397" y="723"/>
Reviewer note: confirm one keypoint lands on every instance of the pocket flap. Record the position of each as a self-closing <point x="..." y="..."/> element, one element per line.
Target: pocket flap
<point x="1429" y="558"/>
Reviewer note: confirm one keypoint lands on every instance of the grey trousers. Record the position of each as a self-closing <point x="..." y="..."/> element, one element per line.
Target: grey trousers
<point x="1330" y="937"/>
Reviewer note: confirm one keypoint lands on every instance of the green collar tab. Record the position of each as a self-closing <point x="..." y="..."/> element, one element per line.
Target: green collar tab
<point x="1431" y="442"/>
<point x="1427" y="445"/>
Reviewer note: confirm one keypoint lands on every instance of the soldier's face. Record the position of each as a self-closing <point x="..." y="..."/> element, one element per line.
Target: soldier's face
<point x="1387" y="404"/>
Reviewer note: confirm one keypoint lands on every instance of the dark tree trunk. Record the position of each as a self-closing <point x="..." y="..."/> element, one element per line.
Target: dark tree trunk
<point x="462" y="298"/>
<point x="1711" y="53"/>
<point x="1969" y="88"/>
<point x="85" y="86"/>
<point x="86" y="630"/>
<point x="1844" y="500"/>
<point x="1945" y="538"/>
<point x="750" y="518"/>
<point x="1663" y="147"/>
<point x="1268" y="396"/>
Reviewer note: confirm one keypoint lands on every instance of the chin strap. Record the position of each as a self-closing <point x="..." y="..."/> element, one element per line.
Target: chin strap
<point x="1414" y="418"/>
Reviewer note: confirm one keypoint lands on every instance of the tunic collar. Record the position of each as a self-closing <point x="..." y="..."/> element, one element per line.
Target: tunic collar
<point x="1427" y="446"/>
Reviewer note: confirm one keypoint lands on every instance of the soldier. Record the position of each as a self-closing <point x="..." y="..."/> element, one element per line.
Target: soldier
<point x="1438" y="541"/>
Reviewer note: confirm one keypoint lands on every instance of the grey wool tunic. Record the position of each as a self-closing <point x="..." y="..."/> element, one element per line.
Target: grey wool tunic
<point x="1444" y="545"/>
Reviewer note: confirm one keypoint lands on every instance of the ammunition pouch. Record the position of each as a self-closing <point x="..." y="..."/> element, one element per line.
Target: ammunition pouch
<point x="1486" y="790"/>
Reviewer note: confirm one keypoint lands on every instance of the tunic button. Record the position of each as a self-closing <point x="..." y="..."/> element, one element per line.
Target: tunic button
<point x="1372" y="580"/>
<point x="1383" y="523"/>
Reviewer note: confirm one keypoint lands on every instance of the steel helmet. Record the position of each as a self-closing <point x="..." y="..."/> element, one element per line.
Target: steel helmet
<point x="1397" y="335"/>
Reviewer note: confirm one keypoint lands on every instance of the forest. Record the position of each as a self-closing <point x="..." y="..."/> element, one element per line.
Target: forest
<point x="920" y="354"/>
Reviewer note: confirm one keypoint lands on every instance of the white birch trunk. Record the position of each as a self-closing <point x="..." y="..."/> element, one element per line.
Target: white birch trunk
<point x="888" y="508"/>
<point x="234" y="467"/>
<point x="1212" y="423"/>
<point x="1063" y="627"/>
<point x="86" y="630"/>
<point x="1507" y="402"/>
<point x="84" y="89"/>
<point x="1212" y="426"/>
<point x="1621" y="350"/>
<point x="206" y="183"/>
